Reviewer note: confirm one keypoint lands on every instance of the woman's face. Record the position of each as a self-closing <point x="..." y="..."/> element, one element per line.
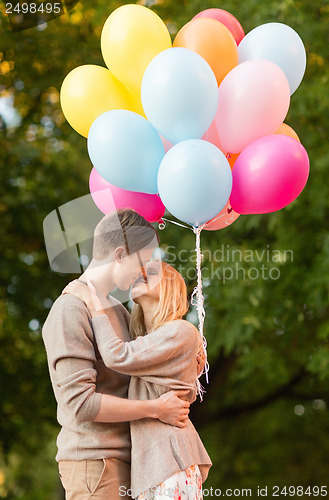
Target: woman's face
<point x="148" y="285"/>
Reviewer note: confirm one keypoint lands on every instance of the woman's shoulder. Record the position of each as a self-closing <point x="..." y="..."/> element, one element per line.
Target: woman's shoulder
<point x="186" y="328"/>
<point x="183" y="323"/>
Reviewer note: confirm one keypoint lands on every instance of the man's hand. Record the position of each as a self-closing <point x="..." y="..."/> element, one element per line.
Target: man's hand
<point x="173" y="410"/>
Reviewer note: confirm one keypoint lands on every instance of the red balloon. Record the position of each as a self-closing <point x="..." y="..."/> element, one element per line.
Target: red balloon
<point x="227" y="19"/>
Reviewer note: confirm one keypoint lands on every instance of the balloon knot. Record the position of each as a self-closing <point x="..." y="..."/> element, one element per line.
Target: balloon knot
<point x="161" y="224"/>
<point x="229" y="209"/>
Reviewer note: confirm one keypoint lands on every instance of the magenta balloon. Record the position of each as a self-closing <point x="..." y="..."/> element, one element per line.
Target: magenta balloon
<point x="108" y="197"/>
<point x="253" y="101"/>
<point x="225" y="18"/>
<point x="268" y="175"/>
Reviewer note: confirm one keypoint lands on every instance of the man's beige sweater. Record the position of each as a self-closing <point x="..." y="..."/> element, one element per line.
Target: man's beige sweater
<point x="79" y="377"/>
<point x="160" y="361"/>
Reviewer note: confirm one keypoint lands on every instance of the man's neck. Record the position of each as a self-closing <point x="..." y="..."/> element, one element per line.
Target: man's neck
<point x="100" y="276"/>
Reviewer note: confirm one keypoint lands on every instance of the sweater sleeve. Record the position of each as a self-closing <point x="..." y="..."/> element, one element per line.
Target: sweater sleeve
<point x="148" y="354"/>
<point x="67" y="336"/>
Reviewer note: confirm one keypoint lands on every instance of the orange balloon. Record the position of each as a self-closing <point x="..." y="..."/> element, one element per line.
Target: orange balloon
<point x="232" y="159"/>
<point x="213" y="41"/>
<point x="226" y="217"/>
<point x="285" y="129"/>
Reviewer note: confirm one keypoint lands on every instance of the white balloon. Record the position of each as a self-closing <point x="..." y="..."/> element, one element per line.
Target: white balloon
<point x="280" y="44"/>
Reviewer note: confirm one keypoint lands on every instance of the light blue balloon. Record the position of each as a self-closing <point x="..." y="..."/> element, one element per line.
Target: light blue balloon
<point x="280" y="44"/>
<point x="194" y="181"/>
<point x="179" y="94"/>
<point x="126" y="150"/>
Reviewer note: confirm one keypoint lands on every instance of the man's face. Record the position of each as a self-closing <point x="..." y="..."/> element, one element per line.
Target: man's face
<point x="130" y="268"/>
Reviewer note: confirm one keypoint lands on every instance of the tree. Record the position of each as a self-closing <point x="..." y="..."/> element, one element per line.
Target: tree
<point x="264" y="417"/>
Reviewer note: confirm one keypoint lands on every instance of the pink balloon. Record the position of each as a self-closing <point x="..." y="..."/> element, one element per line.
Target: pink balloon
<point x="225" y="18"/>
<point x="167" y="144"/>
<point x="226" y="217"/>
<point x="212" y="136"/>
<point x="254" y="99"/>
<point x="268" y="175"/>
<point x="108" y="197"/>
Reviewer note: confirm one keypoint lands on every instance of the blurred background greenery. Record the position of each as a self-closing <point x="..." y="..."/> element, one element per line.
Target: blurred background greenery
<point x="264" y="419"/>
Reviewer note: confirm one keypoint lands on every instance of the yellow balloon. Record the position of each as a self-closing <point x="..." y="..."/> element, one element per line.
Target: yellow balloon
<point x="136" y="102"/>
<point x="131" y="37"/>
<point x="87" y="92"/>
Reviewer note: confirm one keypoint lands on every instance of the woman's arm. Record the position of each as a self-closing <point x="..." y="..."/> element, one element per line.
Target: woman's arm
<point x="144" y="355"/>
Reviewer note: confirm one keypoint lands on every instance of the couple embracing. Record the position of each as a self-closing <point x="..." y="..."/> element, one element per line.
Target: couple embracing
<point x="124" y="383"/>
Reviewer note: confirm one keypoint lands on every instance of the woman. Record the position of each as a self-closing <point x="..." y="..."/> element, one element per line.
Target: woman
<point x="160" y="358"/>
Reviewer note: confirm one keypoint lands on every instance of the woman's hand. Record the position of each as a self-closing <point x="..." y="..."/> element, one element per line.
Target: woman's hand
<point x="201" y="360"/>
<point x="88" y="294"/>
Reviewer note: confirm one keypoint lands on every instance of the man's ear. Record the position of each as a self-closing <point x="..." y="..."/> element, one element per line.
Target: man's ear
<point x="119" y="254"/>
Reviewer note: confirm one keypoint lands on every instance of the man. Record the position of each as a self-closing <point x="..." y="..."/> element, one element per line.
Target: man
<point x="93" y="409"/>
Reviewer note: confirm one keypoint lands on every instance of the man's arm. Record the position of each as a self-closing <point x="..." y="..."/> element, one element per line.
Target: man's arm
<point x="71" y="354"/>
<point x="169" y="408"/>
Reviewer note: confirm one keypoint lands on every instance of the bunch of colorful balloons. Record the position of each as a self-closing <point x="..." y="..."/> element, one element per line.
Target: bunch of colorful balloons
<point x="194" y="126"/>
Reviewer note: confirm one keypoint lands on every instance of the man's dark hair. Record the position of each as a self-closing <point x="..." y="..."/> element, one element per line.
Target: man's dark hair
<point x="126" y="228"/>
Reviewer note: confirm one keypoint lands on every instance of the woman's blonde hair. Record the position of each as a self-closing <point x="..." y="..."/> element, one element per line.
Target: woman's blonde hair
<point x="173" y="303"/>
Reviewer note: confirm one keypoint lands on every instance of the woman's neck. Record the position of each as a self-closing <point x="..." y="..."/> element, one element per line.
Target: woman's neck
<point x="149" y="310"/>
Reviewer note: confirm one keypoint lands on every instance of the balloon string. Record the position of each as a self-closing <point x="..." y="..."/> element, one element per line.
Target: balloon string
<point x="163" y="225"/>
<point x="197" y="299"/>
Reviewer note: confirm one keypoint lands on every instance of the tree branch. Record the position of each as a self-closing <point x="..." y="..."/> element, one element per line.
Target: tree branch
<point x="232" y="411"/>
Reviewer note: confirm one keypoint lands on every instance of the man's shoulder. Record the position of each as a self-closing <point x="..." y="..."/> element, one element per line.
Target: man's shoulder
<point x="67" y="302"/>
<point x="65" y="306"/>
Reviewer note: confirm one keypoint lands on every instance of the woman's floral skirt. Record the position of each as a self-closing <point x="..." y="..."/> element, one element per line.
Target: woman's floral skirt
<point x="183" y="485"/>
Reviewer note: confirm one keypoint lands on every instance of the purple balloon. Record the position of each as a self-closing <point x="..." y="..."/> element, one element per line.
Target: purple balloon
<point x="269" y="174"/>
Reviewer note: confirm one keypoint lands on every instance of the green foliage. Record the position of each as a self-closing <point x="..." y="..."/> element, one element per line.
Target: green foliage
<point x="264" y="418"/>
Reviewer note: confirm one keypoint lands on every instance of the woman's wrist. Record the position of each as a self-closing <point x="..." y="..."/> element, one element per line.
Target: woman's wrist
<point x="96" y="312"/>
<point x="95" y="305"/>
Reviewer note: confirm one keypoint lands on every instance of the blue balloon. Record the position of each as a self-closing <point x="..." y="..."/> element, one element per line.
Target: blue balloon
<point x="280" y="44"/>
<point x="179" y="94"/>
<point x="126" y="150"/>
<point x="195" y="181"/>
